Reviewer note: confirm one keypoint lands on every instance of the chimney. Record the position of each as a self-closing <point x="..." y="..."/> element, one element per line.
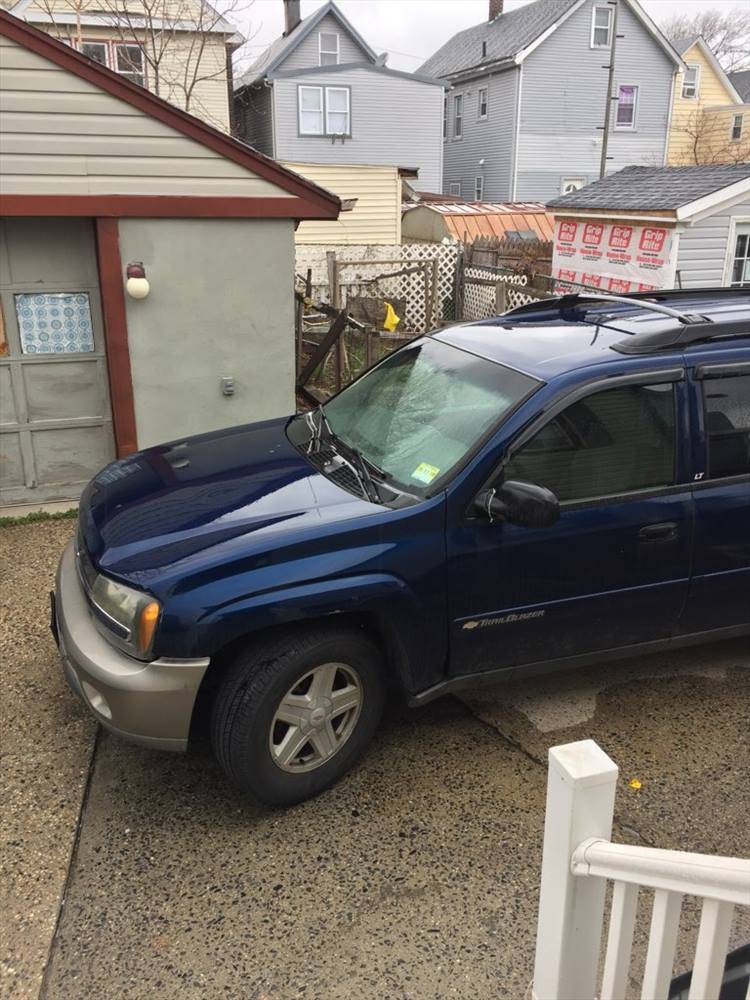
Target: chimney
<point x="292" y="15"/>
<point x="496" y="9"/>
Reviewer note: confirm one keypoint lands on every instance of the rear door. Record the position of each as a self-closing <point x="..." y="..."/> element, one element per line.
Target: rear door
<point x="719" y="596"/>
<point x="614" y="570"/>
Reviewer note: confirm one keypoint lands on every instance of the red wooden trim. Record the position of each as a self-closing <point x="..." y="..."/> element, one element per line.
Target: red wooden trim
<point x="312" y="197"/>
<point x="116" y="336"/>
<point x="161" y="206"/>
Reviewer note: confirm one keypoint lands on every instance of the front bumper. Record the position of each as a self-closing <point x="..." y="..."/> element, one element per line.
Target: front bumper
<point x="146" y="703"/>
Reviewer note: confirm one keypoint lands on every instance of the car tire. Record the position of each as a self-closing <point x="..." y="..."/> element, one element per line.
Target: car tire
<point x="326" y="684"/>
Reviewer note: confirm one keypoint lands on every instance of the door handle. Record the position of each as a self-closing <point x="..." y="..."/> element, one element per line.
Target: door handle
<point x="665" y="531"/>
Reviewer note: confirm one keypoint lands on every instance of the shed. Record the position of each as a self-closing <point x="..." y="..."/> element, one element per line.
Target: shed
<point x="656" y="227"/>
<point x="100" y="176"/>
<point x="434" y="221"/>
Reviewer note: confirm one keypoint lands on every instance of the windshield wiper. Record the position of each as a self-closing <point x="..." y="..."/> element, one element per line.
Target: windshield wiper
<point x="361" y="471"/>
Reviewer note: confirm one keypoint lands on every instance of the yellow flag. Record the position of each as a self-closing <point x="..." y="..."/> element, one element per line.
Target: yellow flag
<point x="391" y="320"/>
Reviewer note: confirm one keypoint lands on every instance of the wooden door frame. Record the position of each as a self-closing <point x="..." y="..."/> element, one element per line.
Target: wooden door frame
<point x="119" y="371"/>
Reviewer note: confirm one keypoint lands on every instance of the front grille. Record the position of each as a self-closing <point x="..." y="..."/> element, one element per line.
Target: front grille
<point x="327" y="460"/>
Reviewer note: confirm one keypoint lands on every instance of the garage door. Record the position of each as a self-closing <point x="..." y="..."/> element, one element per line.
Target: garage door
<point x="55" y="418"/>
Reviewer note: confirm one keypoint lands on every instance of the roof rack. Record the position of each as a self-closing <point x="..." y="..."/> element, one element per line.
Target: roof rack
<point x="692" y="328"/>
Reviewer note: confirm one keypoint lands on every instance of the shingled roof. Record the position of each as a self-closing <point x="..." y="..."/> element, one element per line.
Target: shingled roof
<point x="505" y="36"/>
<point x="653" y="187"/>
<point x="741" y="83"/>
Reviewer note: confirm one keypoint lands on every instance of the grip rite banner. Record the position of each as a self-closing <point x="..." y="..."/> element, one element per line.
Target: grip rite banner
<point x="614" y="256"/>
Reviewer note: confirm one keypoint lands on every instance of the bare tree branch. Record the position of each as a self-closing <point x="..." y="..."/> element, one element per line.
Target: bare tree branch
<point x="706" y="136"/>
<point x="727" y="33"/>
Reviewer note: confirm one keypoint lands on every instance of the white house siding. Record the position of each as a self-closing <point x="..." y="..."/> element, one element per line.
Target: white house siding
<point x="395" y="121"/>
<point x="307" y="53"/>
<point x="192" y="331"/>
<point x="563" y="100"/>
<point x="702" y="252"/>
<point x="489" y="139"/>
<point x="254" y="115"/>
<point x="376" y="216"/>
<point x="64" y="135"/>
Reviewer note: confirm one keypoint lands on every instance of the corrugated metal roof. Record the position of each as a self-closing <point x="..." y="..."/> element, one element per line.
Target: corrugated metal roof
<point x="496" y="219"/>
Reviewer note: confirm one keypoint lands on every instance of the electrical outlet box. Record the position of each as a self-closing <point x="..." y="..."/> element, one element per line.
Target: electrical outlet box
<point x="227" y="385"/>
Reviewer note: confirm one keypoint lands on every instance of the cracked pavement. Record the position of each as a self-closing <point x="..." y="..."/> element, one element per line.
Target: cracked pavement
<point x="133" y="874"/>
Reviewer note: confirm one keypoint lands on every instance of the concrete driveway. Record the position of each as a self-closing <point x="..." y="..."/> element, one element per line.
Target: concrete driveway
<point x="132" y="874"/>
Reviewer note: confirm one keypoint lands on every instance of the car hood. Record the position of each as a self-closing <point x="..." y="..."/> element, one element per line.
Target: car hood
<point x="144" y="514"/>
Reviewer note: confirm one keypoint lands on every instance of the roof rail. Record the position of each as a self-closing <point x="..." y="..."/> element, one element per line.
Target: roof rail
<point x="692" y="327"/>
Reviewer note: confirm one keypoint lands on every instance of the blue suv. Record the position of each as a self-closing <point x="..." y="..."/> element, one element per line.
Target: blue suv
<point x="563" y="485"/>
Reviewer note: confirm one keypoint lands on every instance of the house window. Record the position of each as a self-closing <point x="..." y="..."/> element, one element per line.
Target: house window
<point x="739" y="262"/>
<point x="458" y="116"/>
<point x="571" y="184"/>
<point x="737" y="128"/>
<point x="311" y="110"/>
<point x="455" y="188"/>
<point x="601" y="27"/>
<point x="324" y="111"/>
<point x="484" y="50"/>
<point x="337" y="111"/>
<point x="129" y="62"/>
<point x="328" y="48"/>
<point x="627" y="106"/>
<point x="445" y="118"/>
<point x="482" y="101"/>
<point x="478" y="187"/>
<point x="691" y="82"/>
<point x="96" y="51"/>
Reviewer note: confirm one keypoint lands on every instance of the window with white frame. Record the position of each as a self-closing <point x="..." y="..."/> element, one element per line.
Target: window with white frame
<point x="571" y="184"/>
<point x="328" y="48"/>
<point x="337" y="111"/>
<point x="482" y="102"/>
<point x="311" y="110"/>
<point x="601" y="27"/>
<point x="129" y="62"/>
<point x="458" y="116"/>
<point x="479" y="187"/>
<point x="324" y="110"/>
<point x="455" y="188"/>
<point x="125" y="59"/>
<point x="737" y="122"/>
<point x="691" y="82"/>
<point x="739" y="261"/>
<point x="627" y="106"/>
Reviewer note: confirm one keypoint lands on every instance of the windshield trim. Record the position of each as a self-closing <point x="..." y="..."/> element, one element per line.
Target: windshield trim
<point x="425" y="493"/>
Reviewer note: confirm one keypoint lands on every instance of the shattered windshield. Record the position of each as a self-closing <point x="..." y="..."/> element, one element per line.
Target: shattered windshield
<point x="417" y="415"/>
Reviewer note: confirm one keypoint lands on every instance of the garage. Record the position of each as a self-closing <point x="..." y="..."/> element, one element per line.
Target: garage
<point x="146" y="271"/>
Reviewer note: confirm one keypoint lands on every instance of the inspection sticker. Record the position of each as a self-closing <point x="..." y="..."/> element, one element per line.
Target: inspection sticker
<point x="425" y="473"/>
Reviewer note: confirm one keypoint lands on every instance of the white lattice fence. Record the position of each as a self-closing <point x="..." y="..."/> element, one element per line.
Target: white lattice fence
<point x="361" y="277"/>
<point x="479" y="299"/>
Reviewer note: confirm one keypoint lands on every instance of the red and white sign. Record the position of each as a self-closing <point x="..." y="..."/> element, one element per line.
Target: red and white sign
<point x="613" y="256"/>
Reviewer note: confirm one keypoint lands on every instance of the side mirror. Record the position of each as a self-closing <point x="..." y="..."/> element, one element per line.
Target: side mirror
<point x="524" y="504"/>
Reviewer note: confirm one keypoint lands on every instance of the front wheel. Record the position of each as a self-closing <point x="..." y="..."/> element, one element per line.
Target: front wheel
<point x="293" y="715"/>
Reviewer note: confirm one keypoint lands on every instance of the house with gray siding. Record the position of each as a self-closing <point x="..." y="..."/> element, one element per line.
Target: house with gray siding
<point x="524" y="120"/>
<point x="320" y="94"/>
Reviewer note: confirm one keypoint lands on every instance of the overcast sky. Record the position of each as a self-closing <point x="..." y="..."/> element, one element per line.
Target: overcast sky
<point x="411" y="30"/>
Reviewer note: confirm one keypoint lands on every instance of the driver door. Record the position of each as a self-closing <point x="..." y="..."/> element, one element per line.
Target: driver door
<point x="614" y="569"/>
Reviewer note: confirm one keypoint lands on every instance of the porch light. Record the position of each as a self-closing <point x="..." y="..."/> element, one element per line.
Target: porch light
<point x="137" y="285"/>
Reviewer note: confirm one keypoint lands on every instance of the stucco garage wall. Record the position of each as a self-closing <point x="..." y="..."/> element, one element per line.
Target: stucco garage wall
<point x="220" y="304"/>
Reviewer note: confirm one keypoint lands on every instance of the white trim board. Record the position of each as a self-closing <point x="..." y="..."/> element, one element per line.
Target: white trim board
<point x="709" y="203"/>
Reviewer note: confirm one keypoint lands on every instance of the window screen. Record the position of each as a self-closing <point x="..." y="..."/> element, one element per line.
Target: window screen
<point x="611" y="442"/>
<point x="727" y="406"/>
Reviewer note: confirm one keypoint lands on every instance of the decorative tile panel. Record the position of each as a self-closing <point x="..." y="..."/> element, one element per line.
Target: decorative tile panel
<point x="54" y="323"/>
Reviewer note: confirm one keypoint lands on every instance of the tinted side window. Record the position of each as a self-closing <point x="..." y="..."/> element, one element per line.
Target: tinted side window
<point x="727" y="404"/>
<point x="611" y="442"/>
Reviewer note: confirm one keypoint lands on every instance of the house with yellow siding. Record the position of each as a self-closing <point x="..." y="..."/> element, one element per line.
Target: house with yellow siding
<point x="710" y="122"/>
<point x="180" y="50"/>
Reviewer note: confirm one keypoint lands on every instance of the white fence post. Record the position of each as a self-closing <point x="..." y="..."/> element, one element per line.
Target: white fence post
<point x="580" y="804"/>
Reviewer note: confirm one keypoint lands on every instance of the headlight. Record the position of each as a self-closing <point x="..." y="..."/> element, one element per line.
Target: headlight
<point x="130" y="615"/>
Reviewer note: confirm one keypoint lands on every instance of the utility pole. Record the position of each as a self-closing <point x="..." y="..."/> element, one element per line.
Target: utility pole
<point x="610" y="81"/>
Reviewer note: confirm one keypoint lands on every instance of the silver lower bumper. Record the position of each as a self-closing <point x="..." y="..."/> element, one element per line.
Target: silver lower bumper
<point x="146" y="703"/>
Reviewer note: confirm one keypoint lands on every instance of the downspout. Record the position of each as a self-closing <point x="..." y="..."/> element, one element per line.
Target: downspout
<point x="517" y="135"/>
<point x="667" y="143"/>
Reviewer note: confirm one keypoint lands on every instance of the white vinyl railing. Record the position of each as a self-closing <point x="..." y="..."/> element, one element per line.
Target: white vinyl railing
<point x="578" y="861"/>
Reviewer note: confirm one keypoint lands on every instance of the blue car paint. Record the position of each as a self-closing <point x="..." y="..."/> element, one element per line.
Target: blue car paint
<point x="236" y="531"/>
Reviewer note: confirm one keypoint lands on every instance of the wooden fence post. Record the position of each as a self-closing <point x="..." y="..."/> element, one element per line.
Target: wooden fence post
<point x="580" y="803"/>
<point x="458" y="285"/>
<point x="500" y="296"/>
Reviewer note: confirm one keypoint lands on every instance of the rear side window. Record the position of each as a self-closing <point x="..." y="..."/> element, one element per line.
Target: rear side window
<point x="727" y="406"/>
<point x="612" y="442"/>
